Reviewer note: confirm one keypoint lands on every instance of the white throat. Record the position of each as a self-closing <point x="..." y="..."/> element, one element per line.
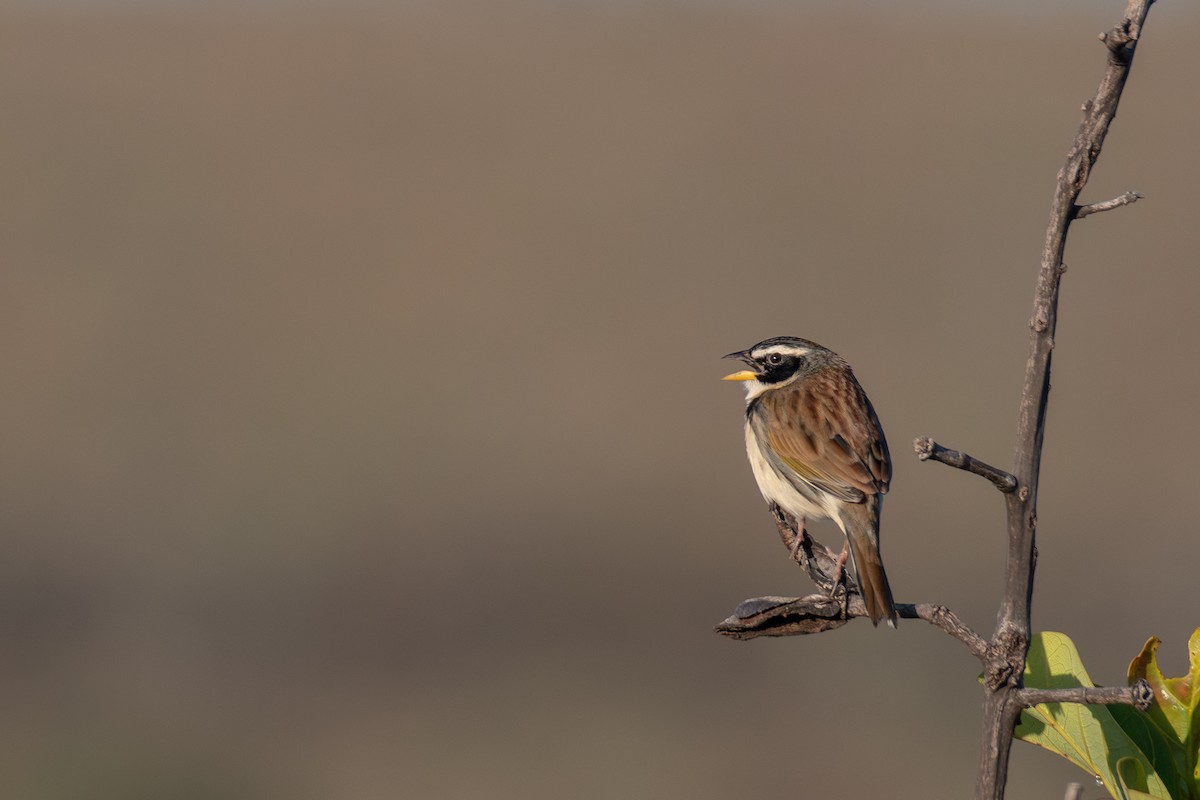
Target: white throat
<point x="756" y="387"/>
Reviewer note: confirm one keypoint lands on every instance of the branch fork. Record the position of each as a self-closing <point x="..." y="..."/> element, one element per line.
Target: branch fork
<point x="1107" y="205"/>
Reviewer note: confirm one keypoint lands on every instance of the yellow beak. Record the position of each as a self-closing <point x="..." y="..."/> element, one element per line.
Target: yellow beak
<point x="744" y="375"/>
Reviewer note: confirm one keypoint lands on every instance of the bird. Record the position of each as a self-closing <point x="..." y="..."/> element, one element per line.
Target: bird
<point x="817" y="451"/>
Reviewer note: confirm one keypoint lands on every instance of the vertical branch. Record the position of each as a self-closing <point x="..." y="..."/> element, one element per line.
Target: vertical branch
<point x="1006" y="661"/>
<point x="1004" y="655"/>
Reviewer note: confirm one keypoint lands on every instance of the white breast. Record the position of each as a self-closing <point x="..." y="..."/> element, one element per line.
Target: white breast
<point x="776" y="489"/>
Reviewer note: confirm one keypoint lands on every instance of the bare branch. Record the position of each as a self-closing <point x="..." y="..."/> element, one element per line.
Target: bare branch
<point x="817" y="613"/>
<point x="1140" y="695"/>
<point x="1074" y="791"/>
<point x="1010" y="640"/>
<point x="944" y="618"/>
<point x="788" y="616"/>
<point x="1108" y="205"/>
<point x="837" y="605"/>
<point x="929" y="449"/>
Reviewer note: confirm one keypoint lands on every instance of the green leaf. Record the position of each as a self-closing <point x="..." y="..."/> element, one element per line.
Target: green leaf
<point x="1086" y="735"/>
<point x="1169" y="712"/>
<point x="1174" y="730"/>
<point x="1133" y="778"/>
<point x="1164" y="751"/>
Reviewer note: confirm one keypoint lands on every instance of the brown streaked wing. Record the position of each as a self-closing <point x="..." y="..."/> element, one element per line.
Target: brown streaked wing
<point x="830" y="434"/>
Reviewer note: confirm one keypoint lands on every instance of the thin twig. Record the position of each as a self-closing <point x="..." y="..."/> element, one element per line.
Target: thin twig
<point x="944" y="618"/>
<point x="1108" y="205"/>
<point x="929" y="449"/>
<point x="1074" y="791"/>
<point x="1140" y="695"/>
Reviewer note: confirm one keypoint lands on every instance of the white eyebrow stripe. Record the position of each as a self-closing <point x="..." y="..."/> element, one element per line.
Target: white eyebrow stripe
<point x="782" y="349"/>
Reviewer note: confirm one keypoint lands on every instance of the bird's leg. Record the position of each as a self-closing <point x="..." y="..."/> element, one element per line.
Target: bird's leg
<point x="801" y="534"/>
<point x="839" y="579"/>
<point x="813" y="557"/>
<point x="793" y="533"/>
<point x="839" y="570"/>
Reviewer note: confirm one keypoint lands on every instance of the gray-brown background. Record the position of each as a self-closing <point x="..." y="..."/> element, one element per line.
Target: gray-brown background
<point x="362" y="430"/>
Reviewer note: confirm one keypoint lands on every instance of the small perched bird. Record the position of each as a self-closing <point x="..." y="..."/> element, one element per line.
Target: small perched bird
<point x="818" y="451"/>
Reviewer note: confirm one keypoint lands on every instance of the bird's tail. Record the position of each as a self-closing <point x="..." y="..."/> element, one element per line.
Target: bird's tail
<point x="861" y="525"/>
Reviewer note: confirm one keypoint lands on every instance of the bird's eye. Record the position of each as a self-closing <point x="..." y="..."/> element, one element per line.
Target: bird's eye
<point x="774" y="358"/>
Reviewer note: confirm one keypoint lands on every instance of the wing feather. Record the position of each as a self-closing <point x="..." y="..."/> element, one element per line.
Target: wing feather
<point x="830" y="437"/>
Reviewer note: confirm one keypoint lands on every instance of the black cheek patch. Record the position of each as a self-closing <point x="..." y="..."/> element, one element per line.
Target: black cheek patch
<point x="777" y="373"/>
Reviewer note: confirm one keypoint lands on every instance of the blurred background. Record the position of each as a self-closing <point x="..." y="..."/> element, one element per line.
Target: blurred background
<point x="363" y="435"/>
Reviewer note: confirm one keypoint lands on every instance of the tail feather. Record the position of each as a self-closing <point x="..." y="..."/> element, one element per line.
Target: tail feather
<point x="862" y="532"/>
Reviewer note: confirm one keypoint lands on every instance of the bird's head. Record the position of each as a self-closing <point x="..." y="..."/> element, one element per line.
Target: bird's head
<point x="777" y="362"/>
